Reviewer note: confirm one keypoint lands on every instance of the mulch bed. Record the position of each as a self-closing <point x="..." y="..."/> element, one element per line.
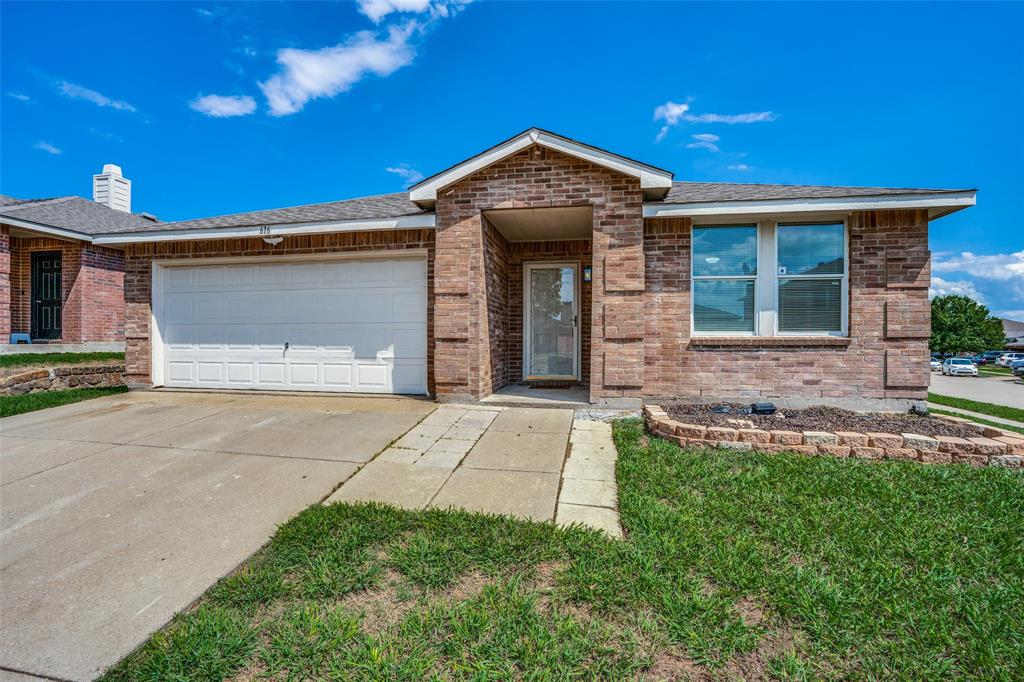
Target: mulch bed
<point x="829" y="419"/>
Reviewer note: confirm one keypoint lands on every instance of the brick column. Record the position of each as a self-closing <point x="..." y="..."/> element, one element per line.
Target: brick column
<point x="459" y="302"/>
<point x="138" y="279"/>
<point x="890" y="270"/>
<point x="5" y="284"/>
<point x="617" y="331"/>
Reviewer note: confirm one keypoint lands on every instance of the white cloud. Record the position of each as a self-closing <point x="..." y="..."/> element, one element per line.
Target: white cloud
<point x="410" y="175"/>
<point x="740" y="167"/>
<point x="753" y="117"/>
<point x="47" y="147"/>
<point x="999" y="266"/>
<point x="20" y="97"/>
<point x="224" y="106"/>
<point x="78" y="92"/>
<point x="672" y="113"/>
<point x="963" y="287"/>
<point x="309" y="74"/>
<point x="1011" y="314"/>
<point x="378" y="9"/>
<point x="704" y="141"/>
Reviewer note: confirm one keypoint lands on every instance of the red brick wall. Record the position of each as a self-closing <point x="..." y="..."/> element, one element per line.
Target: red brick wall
<point x="138" y="278"/>
<point x="496" y="273"/>
<point x="5" y="284"/>
<point x="533" y="178"/>
<point x="884" y="358"/>
<point x="102" y="280"/>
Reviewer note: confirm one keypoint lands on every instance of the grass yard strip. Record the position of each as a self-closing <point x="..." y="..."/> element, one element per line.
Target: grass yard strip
<point x="1003" y="411"/>
<point x="995" y="369"/>
<point x="978" y="420"/>
<point x="736" y="566"/>
<point x="30" y="402"/>
<point x="23" y="359"/>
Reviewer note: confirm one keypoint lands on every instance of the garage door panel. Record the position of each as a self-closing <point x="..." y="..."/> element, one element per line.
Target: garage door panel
<point x="338" y="376"/>
<point x="303" y="374"/>
<point x="270" y="373"/>
<point x="350" y="325"/>
<point x="240" y="372"/>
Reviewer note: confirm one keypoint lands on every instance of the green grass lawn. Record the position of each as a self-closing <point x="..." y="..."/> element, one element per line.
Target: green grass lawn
<point x="995" y="370"/>
<point x="23" y="359"/>
<point x="735" y="566"/>
<point x="991" y="410"/>
<point x="17" y="404"/>
<point x="977" y="420"/>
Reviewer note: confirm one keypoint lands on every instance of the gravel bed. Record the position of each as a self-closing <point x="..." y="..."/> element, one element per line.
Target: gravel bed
<point x="829" y="419"/>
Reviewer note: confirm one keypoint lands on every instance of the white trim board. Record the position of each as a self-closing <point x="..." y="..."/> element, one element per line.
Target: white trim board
<point x="412" y="222"/>
<point x="58" y="232"/>
<point x="946" y="200"/>
<point x="655" y="182"/>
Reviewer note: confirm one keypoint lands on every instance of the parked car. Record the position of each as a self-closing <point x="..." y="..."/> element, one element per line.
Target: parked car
<point x="992" y="355"/>
<point x="980" y="360"/>
<point x="936" y="365"/>
<point x="959" y="367"/>
<point x="1018" y="368"/>
<point x="1007" y="358"/>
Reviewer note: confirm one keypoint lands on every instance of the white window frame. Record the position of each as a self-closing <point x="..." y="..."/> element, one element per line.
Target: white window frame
<point x="755" y="278"/>
<point x="844" y="281"/>
<point x="766" y="282"/>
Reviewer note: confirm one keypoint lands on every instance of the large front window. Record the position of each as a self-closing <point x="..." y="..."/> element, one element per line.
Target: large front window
<point x="769" y="279"/>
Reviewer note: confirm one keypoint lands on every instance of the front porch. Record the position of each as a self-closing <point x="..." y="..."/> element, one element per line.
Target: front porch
<point x="58" y="291"/>
<point x="537" y="273"/>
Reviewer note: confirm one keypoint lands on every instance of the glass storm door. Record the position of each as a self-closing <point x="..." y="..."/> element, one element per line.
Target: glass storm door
<point x="551" y="319"/>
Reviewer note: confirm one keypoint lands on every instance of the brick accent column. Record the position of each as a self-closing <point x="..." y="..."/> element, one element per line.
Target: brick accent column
<point x="138" y="280"/>
<point x="890" y="270"/>
<point x="5" y="284"/>
<point x="617" y="342"/>
<point x="459" y="302"/>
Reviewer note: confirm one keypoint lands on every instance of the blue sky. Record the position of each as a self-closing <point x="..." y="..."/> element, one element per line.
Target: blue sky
<point x="215" y="108"/>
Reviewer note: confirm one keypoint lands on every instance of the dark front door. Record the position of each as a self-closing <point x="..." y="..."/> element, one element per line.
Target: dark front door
<point x="46" y="288"/>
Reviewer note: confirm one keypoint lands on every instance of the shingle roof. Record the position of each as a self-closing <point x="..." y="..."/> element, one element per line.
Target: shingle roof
<point x="699" y="192"/>
<point x="379" y="206"/>
<point x="72" y="213"/>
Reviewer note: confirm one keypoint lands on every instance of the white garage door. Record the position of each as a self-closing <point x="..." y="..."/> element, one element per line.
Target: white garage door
<point x="339" y="325"/>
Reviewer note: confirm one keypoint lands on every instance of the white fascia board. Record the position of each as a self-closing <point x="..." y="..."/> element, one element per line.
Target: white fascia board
<point x="46" y="229"/>
<point x="650" y="178"/>
<point x="412" y="222"/>
<point x="951" y="200"/>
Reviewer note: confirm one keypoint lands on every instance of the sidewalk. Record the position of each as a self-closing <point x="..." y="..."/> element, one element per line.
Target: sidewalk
<point x="979" y="415"/>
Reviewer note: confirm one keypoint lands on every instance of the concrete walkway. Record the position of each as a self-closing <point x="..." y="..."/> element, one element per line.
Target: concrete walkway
<point x="497" y="460"/>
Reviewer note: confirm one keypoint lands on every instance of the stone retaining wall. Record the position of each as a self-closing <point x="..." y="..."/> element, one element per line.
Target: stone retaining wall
<point x="61" y="378"/>
<point x="997" y="447"/>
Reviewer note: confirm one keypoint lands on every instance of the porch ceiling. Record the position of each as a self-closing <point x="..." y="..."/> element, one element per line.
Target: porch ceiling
<point x="543" y="224"/>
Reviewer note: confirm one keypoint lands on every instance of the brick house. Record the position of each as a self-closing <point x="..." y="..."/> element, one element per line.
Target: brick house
<point x="548" y="261"/>
<point x="56" y="284"/>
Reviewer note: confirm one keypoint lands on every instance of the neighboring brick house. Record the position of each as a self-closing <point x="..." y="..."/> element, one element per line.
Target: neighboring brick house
<point x="548" y="261"/>
<point x="56" y="285"/>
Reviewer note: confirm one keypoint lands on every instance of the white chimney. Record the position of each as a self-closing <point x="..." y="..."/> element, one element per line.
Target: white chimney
<point x="112" y="189"/>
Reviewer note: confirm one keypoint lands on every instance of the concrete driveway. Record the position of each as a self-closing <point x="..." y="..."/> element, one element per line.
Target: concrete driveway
<point x="118" y="512"/>
<point x="987" y="389"/>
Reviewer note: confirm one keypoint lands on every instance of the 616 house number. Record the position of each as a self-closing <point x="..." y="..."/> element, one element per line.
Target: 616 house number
<point x="265" y="231"/>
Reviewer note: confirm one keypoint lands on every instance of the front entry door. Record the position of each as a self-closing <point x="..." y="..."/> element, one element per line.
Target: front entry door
<point x="46" y="290"/>
<point x="551" y="321"/>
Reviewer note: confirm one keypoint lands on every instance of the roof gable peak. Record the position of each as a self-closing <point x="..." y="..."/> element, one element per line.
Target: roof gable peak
<point x="655" y="182"/>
